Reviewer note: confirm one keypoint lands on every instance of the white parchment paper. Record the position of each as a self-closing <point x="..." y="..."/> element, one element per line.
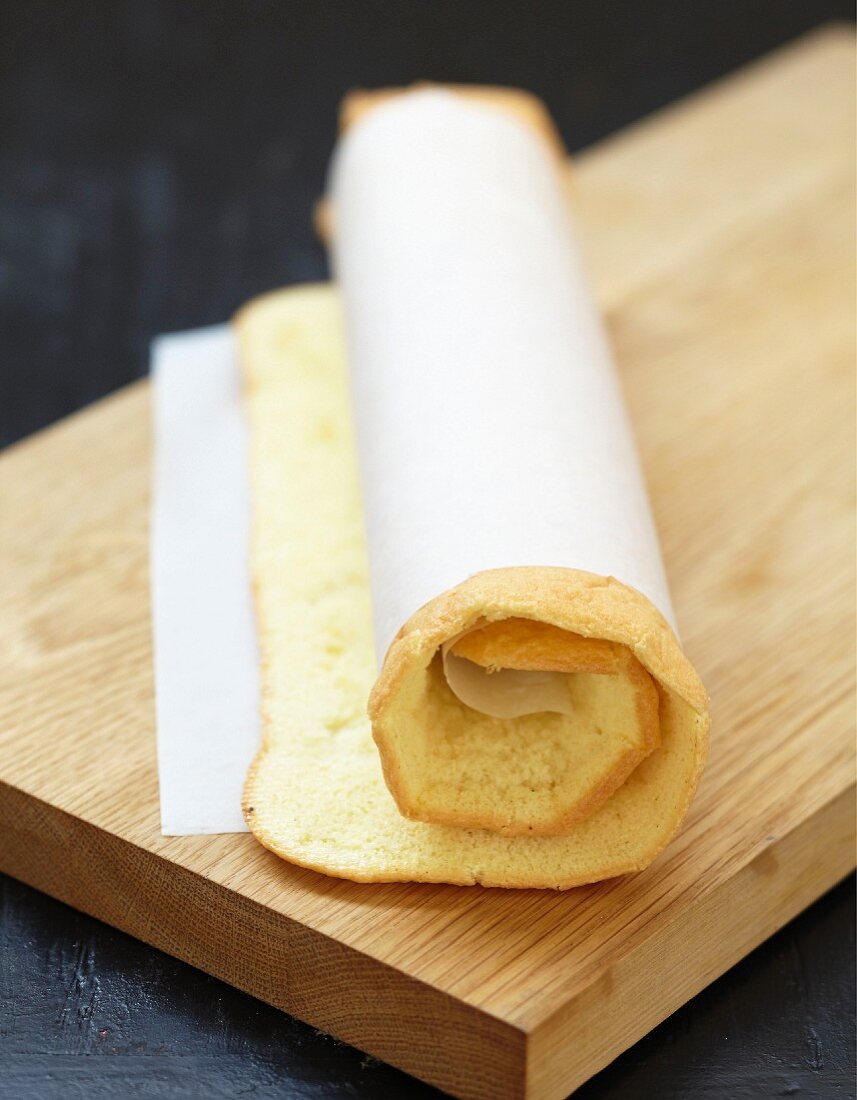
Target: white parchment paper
<point x="490" y="423"/>
<point x="206" y="663"/>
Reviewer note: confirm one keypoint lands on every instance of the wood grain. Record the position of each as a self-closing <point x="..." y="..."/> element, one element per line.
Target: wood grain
<point x="720" y="236"/>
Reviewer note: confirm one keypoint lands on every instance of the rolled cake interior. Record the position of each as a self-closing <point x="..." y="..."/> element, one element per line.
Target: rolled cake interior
<point x="539" y="772"/>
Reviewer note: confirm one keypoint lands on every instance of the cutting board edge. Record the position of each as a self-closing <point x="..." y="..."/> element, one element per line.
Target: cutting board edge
<point x="544" y="1054"/>
<point x="99" y="873"/>
<point x="776" y="885"/>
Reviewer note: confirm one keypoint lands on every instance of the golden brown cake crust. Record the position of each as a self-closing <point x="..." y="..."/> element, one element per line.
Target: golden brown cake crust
<point x="581" y="603"/>
<point x="527" y="645"/>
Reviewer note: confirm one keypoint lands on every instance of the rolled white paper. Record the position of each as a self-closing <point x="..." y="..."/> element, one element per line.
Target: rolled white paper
<point x="505" y="692"/>
<point x="490" y="423"/>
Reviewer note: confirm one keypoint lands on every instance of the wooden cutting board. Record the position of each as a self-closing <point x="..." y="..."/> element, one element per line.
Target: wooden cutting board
<point x="720" y="238"/>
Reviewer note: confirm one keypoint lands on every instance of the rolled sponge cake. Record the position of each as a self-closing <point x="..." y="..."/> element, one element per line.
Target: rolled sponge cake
<point x="594" y="657"/>
<point x="316" y="793"/>
<point x="542" y="773"/>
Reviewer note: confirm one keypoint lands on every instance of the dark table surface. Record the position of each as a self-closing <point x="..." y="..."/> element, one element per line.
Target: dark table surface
<point x="158" y="164"/>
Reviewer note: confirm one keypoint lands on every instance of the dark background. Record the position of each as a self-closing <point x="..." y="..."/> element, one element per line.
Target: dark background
<point x="158" y="165"/>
